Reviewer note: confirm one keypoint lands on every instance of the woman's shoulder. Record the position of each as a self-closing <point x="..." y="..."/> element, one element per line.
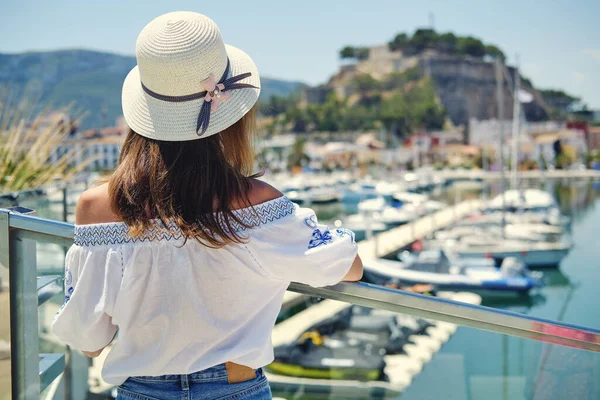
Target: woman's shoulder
<point x="93" y="207"/>
<point x="260" y="192"/>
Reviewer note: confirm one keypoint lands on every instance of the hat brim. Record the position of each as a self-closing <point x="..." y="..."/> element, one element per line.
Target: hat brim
<point x="177" y="121"/>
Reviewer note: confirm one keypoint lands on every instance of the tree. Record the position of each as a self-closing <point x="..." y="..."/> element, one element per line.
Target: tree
<point x="347" y="52"/>
<point x="276" y="105"/>
<point x="525" y="81"/>
<point x="423" y="39"/>
<point x="425" y="112"/>
<point x="395" y="114"/>
<point x="298" y="157"/>
<point x="358" y="118"/>
<point x="357" y="53"/>
<point x="493" y="51"/>
<point x="362" y="53"/>
<point x="400" y="42"/>
<point x="365" y="83"/>
<point x="447" y="42"/>
<point x="328" y="116"/>
<point x="297" y="118"/>
<point x="470" y="46"/>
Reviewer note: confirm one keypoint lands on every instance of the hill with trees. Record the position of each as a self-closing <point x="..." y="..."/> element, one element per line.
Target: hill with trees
<point x="429" y="39"/>
<point x="417" y="82"/>
<point x="90" y="80"/>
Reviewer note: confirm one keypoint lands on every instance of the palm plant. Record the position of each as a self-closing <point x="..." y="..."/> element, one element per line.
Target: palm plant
<point x="29" y="143"/>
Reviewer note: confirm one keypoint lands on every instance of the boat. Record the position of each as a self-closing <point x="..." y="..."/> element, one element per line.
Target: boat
<point x="434" y="267"/>
<point x="359" y="224"/>
<point x="310" y="357"/>
<point x="403" y="255"/>
<point x="551" y="217"/>
<point x="520" y="231"/>
<point x="370" y="189"/>
<point x="323" y="195"/>
<point x="523" y="200"/>
<point x="307" y="189"/>
<point x="537" y="254"/>
<point x="392" y="216"/>
<point x="389" y="215"/>
<point x="357" y="326"/>
<point x="399" y="368"/>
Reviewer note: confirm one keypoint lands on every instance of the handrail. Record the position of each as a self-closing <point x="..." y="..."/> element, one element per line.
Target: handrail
<point x="465" y="314"/>
<point x="375" y="296"/>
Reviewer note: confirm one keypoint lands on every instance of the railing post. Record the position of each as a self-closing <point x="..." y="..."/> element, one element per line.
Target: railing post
<point x="24" y="318"/>
<point x="65" y="202"/>
<point x="5" y="310"/>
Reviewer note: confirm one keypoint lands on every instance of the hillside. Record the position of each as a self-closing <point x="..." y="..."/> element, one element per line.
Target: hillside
<point x="461" y="68"/>
<point x="89" y="79"/>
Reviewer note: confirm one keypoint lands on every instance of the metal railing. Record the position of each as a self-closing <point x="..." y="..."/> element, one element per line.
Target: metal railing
<point x="32" y="372"/>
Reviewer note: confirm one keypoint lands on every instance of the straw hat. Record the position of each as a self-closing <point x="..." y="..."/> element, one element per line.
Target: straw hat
<point x="188" y="84"/>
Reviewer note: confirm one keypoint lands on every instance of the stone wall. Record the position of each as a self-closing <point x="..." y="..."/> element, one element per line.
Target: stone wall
<point x="467" y="89"/>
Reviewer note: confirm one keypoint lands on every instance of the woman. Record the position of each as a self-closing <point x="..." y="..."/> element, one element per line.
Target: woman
<point x="183" y="253"/>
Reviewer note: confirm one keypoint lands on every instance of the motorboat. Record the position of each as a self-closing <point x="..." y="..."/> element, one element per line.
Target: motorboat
<point x="551" y="217"/>
<point x="519" y="231"/>
<point x="370" y="189"/>
<point x="522" y="200"/>
<point x="537" y="254"/>
<point x="311" y="190"/>
<point x="434" y="267"/>
<point x="361" y="223"/>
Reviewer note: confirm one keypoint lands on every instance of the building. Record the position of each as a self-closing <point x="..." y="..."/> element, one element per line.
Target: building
<point x="95" y="149"/>
<point x="97" y="154"/>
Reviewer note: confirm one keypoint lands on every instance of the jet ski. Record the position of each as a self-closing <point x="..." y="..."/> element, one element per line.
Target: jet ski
<point x="312" y="357"/>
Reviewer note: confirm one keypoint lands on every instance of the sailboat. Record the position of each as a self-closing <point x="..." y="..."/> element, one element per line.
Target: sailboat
<point x="532" y="252"/>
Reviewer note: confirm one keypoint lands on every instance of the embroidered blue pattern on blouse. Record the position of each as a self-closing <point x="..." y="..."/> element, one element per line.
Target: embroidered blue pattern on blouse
<point x="68" y="276"/>
<point x="311" y="221"/>
<point x="341" y="232"/>
<point x="118" y="233"/>
<point x="68" y="289"/>
<point x="320" y="238"/>
<point x="68" y="294"/>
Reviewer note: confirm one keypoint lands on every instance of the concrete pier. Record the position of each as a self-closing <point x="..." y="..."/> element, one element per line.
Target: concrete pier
<point x="587" y="174"/>
<point x="390" y="241"/>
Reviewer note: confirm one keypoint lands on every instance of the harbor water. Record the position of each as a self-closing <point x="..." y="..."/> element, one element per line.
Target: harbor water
<point x="491" y="366"/>
<point x="476" y="364"/>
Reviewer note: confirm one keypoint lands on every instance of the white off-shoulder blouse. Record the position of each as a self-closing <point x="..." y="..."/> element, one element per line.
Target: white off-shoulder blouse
<point x="182" y="307"/>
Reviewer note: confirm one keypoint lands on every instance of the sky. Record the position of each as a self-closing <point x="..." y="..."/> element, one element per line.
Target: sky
<point x="558" y="42"/>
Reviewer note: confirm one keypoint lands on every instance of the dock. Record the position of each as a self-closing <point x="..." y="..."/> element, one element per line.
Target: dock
<point x="396" y="238"/>
<point x="494" y="176"/>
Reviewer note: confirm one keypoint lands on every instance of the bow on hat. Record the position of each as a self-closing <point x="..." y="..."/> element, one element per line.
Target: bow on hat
<point x="214" y="94"/>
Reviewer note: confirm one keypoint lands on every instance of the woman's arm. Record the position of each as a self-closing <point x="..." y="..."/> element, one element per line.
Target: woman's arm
<point x="94" y="354"/>
<point x="356" y="271"/>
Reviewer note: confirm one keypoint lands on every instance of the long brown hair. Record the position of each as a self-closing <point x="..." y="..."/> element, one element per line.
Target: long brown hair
<point x="194" y="184"/>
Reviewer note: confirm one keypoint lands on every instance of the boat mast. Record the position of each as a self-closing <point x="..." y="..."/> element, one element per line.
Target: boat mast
<point x="500" y="101"/>
<point x="516" y="124"/>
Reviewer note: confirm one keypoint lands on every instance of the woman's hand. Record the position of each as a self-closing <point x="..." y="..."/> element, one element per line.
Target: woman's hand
<point x="93" y="354"/>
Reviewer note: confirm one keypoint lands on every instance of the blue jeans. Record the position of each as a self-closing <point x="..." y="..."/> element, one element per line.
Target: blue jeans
<point x="209" y="384"/>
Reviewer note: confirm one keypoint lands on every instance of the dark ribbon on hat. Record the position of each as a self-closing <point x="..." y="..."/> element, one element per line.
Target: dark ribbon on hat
<point x="213" y="95"/>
